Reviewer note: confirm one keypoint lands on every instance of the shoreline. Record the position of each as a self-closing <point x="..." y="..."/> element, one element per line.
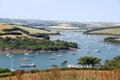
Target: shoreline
<point x="19" y="51"/>
<point x="61" y="29"/>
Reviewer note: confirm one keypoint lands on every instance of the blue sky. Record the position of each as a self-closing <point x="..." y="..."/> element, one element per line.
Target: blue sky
<point x="62" y="10"/>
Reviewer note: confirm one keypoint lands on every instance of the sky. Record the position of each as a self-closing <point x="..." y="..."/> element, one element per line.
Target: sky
<point x="62" y="10"/>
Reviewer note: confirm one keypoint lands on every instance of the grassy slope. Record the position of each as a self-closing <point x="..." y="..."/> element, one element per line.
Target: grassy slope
<point x="62" y="26"/>
<point x="112" y="31"/>
<point x="118" y="39"/>
<point x="107" y="31"/>
<point x="33" y="30"/>
<point x="14" y="36"/>
<point x="3" y="26"/>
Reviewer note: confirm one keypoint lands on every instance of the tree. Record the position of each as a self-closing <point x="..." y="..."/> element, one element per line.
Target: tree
<point x="110" y="64"/>
<point x="114" y="63"/>
<point x="73" y="44"/>
<point x="25" y="43"/>
<point x="83" y="61"/>
<point x="94" y="61"/>
<point x="53" y="66"/>
<point x="7" y="39"/>
<point x="88" y="60"/>
<point x="46" y="37"/>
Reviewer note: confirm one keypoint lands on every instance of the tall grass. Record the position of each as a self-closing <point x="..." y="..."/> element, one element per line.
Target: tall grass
<point x="72" y="74"/>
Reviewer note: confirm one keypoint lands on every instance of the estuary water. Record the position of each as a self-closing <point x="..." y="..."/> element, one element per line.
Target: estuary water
<point x="90" y="45"/>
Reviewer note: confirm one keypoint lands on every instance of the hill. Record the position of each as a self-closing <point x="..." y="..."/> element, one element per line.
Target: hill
<point x="63" y="26"/>
<point x="34" y="30"/>
<point x="53" y="24"/>
<point x="6" y="29"/>
<point x="4" y="26"/>
<point x="114" y="32"/>
<point x="108" y="31"/>
<point x="41" y="23"/>
<point x="20" y="38"/>
<point x="29" y="22"/>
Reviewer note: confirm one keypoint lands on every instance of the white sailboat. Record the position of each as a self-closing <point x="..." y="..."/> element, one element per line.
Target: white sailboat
<point x="96" y="50"/>
<point x="24" y="59"/>
<point x="7" y="54"/>
<point x="59" y="55"/>
<point x="26" y="54"/>
<point x="28" y="65"/>
<point x="52" y="58"/>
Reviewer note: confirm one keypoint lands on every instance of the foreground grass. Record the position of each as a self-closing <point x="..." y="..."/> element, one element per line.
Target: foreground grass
<point x="4" y="74"/>
<point x="72" y="74"/>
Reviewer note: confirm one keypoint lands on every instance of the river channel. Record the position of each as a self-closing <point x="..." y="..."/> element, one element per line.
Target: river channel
<point x="90" y="45"/>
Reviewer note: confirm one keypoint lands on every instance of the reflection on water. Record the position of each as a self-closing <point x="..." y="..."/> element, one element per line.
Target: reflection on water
<point x="91" y="45"/>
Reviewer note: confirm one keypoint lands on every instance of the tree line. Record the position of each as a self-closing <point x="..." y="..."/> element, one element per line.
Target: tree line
<point x="112" y="40"/>
<point x="10" y="33"/>
<point x="15" y="29"/>
<point x="25" y="43"/>
<point x="93" y="62"/>
<point x="87" y="61"/>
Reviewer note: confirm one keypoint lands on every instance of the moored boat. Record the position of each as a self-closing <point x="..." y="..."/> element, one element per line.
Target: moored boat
<point x="24" y="59"/>
<point x="28" y="65"/>
<point x="52" y="58"/>
<point x="7" y="54"/>
<point x="97" y="50"/>
<point x="72" y="66"/>
<point x="26" y="54"/>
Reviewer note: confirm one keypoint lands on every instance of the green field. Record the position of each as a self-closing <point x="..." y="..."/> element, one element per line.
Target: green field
<point x="29" y="29"/>
<point x="34" y="30"/>
<point x="3" y="26"/>
<point x="108" y="31"/>
<point x="118" y="39"/>
<point x="111" y="31"/>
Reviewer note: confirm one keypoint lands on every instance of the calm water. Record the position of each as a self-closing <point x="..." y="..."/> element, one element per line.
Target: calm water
<point x="87" y="43"/>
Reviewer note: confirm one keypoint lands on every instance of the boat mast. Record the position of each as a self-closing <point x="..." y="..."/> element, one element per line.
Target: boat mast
<point x="12" y="64"/>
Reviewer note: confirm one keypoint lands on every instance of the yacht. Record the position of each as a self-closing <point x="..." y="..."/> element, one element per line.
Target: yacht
<point x="7" y="54"/>
<point x="72" y="66"/>
<point x="28" y="65"/>
<point x="26" y="54"/>
<point x="59" y="55"/>
<point x="24" y="59"/>
<point x="52" y="58"/>
<point x="97" y="50"/>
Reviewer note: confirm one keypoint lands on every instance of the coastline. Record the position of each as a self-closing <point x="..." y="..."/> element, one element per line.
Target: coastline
<point x="19" y="51"/>
<point x="61" y="29"/>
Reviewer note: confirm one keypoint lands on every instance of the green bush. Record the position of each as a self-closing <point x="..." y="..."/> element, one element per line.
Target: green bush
<point x="4" y="70"/>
